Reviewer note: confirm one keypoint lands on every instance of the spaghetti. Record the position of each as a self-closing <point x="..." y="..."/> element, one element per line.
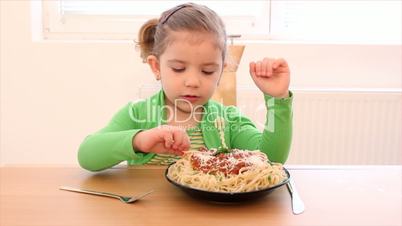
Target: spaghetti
<point x="237" y="171"/>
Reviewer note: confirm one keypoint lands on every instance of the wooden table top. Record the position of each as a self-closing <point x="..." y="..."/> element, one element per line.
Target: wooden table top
<point x="362" y="195"/>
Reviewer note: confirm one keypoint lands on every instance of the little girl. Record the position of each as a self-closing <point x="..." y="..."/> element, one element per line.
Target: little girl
<point x="186" y="50"/>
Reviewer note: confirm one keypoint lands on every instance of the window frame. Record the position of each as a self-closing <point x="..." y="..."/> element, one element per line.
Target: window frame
<point x="56" y="26"/>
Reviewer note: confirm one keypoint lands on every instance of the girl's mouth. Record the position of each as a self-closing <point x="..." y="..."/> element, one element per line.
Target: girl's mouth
<point x="190" y="98"/>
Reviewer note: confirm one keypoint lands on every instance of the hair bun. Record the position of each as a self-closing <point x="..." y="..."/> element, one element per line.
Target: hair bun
<point x="146" y="38"/>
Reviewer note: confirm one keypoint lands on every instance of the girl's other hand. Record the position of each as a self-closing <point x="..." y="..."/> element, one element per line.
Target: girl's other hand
<point x="272" y="76"/>
<point x="163" y="140"/>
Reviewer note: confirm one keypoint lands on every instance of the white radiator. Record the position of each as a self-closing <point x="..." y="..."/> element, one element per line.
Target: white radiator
<point x="338" y="127"/>
<point x="334" y="127"/>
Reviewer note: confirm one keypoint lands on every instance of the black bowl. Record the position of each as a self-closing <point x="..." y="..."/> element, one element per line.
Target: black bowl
<point x="227" y="197"/>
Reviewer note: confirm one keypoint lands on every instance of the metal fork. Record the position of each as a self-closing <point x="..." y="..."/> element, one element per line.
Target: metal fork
<point x="297" y="202"/>
<point x="220" y="125"/>
<point x="125" y="199"/>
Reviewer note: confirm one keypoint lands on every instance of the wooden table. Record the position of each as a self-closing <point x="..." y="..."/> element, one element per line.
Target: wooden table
<point x="362" y="195"/>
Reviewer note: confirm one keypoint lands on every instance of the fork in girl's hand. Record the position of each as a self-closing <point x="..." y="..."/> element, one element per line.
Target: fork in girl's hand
<point x="220" y="125"/>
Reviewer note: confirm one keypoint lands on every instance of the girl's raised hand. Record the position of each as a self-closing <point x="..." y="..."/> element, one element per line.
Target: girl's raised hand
<point x="163" y="140"/>
<point x="272" y="76"/>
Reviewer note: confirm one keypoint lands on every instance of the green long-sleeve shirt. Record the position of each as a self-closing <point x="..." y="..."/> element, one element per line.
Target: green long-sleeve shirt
<point x="113" y="144"/>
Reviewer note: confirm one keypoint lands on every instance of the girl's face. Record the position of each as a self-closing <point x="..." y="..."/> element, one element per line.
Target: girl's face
<point x="189" y="69"/>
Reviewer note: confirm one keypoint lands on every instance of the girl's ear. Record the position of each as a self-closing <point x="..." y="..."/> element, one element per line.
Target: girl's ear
<point x="153" y="63"/>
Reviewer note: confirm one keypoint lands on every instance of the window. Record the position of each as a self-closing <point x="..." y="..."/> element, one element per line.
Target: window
<point x="122" y="19"/>
<point x="359" y="21"/>
<point x="341" y="21"/>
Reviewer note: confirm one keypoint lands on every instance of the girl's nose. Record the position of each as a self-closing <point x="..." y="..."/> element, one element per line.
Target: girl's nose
<point x="192" y="80"/>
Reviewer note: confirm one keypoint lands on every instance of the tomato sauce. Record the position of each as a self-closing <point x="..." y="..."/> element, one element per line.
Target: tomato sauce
<point x="226" y="163"/>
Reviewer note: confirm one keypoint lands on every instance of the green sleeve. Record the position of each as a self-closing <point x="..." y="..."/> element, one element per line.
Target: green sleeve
<point x="111" y="145"/>
<point x="276" y="138"/>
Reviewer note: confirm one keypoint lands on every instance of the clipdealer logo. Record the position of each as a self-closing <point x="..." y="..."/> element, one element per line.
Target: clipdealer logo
<point x="232" y="115"/>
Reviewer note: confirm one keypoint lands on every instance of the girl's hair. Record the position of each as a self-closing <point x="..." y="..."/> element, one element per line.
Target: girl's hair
<point x="153" y="37"/>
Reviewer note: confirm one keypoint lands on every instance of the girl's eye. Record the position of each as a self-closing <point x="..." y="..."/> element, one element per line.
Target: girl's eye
<point x="178" y="69"/>
<point x="208" y="72"/>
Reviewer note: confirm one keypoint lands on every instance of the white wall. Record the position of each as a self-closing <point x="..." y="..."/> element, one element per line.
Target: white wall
<point x="55" y="93"/>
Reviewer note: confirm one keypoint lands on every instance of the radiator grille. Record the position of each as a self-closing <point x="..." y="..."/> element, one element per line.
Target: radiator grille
<point x="338" y="127"/>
